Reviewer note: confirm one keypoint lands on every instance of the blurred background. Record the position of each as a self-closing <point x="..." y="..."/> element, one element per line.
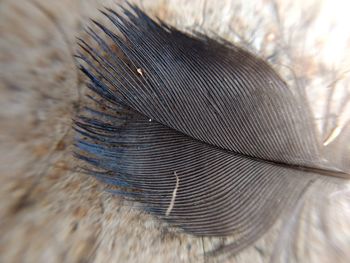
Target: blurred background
<point x="51" y="213"/>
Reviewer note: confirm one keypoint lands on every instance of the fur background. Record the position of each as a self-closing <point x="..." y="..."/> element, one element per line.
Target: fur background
<point x="49" y="212"/>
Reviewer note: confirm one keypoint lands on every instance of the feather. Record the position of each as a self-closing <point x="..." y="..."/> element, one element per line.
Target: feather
<point x="200" y="132"/>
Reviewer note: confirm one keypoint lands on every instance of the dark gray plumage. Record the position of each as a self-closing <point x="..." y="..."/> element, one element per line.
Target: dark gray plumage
<point x="202" y="133"/>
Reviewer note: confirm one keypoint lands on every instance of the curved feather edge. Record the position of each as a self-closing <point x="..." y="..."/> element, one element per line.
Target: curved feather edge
<point x="194" y="186"/>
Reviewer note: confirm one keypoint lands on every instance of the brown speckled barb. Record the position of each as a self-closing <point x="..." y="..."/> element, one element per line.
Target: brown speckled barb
<point x="202" y="133"/>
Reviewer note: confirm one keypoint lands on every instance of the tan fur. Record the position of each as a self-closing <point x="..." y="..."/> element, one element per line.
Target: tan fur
<point x="51" y="213"/>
